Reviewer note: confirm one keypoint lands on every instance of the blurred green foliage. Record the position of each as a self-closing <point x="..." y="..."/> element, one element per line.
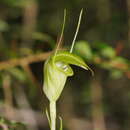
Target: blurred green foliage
<point x="33" y="27"/>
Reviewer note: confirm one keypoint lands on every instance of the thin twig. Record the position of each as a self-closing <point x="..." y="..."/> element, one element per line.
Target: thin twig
<point x="26" y="60"/>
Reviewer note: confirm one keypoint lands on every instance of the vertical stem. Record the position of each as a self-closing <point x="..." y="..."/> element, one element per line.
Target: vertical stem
<point x="53" y="115"/>
<point x="77" y="30"/>
<point x="62" y="32"/>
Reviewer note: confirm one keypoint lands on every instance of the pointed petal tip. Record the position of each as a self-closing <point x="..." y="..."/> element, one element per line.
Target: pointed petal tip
<point x="92" y="72"/>
<point x="88" y="68"/>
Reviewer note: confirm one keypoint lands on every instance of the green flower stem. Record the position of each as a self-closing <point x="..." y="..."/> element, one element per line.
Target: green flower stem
<point x="53" y="115"/>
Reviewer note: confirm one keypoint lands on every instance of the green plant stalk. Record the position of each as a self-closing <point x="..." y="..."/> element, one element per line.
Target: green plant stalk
<point x="53" y="115"/>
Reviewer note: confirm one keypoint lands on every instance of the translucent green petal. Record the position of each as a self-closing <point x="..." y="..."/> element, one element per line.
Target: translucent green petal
<point x="69" y="58"/>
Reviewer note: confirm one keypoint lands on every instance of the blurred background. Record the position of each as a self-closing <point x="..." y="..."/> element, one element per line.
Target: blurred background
<point x="29" y="30"/>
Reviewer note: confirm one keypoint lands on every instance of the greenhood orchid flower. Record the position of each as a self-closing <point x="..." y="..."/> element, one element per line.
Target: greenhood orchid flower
<point x="56" y="71"/>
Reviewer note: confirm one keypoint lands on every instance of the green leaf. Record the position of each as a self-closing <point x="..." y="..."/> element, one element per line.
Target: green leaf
<point x="83" y="49"/>
<point x="105" y="50"/>
<point x="108" y="52"/>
